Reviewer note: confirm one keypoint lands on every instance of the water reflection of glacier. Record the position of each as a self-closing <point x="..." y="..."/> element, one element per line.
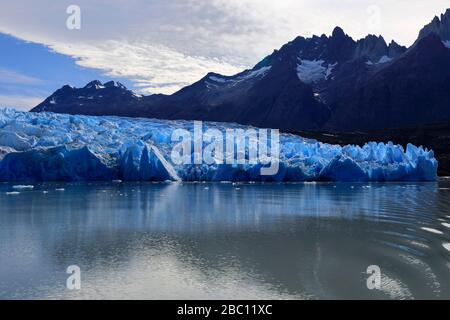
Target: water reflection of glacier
<point x="200" y="207"/>
<point x="225" y="241"/>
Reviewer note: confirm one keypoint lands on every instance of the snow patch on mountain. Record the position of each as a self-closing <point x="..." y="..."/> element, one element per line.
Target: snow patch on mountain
<point x="259" y="73"/>
<point x="312" y="71"/>
<point x="330" y="70"/>
<point x="96" y="86"/>
<point x="446" y="43"/>
<point x="383" y="59"/>
<point x="218" y="80"/>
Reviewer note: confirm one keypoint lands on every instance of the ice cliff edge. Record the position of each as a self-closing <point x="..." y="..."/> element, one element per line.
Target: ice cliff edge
<point x="56" y="147"/>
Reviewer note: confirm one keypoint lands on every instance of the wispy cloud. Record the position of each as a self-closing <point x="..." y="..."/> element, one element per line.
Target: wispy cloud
<point x="23" y="103"/>
<point x="19" y="91"/>
<point x="163" y="45"/>
<point x="154" y="69"/>
<point x="12" y="77"/>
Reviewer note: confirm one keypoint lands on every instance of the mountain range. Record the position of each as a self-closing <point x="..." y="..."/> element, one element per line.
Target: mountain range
<point x="331" y="83"/>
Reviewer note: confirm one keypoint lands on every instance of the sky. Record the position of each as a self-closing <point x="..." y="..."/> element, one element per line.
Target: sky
<point x="160" y="46"/>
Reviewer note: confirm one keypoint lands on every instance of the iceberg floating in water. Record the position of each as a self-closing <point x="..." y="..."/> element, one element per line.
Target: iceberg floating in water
<point x="56" y="147"/>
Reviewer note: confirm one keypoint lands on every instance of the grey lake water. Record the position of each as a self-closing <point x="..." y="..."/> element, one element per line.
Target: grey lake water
<point x="225" y="241"/>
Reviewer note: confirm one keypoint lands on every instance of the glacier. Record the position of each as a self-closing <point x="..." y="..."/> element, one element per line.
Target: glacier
<point x="57" y="147"/>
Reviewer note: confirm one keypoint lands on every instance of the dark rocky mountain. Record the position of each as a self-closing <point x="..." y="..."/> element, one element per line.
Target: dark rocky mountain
<point x="92" y="99"/>
<point x="320" y="83"/>
<point x="441" y="27"/>
<point x="412" y="90"/>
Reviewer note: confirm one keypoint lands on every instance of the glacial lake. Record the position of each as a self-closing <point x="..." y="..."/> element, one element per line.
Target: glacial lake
<point x="225" y="241"/>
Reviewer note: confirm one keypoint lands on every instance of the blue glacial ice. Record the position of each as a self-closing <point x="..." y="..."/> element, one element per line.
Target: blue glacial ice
<point x="54" y="147"/>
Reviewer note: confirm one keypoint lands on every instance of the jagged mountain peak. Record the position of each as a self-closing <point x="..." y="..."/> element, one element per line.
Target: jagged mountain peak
<point x="338" y="32"/>
<point x="96" y="84"/>
<point x="439" y="26"/>
<point x="371" y="47"/>
<point x="430" y="44"/>
<point x="93" y="84"/>
<point x="445" y="16"/>
<point x="393" y="43"/>
<point x="339" y="48"/>
<point x="395" y="50"/>
<point x="114" y="84"/>
<point x="67" y="88"/>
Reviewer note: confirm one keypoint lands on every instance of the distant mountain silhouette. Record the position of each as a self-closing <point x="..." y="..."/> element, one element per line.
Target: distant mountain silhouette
<point x="320" y="83"/>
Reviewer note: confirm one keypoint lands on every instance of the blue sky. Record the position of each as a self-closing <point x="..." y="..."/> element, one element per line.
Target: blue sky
<point x="30" y="72"/>
<point x="159" y="46"/>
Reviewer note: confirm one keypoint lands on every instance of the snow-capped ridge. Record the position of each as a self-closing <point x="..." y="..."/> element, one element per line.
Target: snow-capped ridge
<point x="255" y="73"/>
<point x="217" y="79"/>
<point x="114" y="84"/>
<point x="94" y="84"/>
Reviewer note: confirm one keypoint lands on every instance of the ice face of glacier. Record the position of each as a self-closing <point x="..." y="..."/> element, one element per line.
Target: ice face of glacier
<point x="55" y="147"/>
<point x="54" y="164"/>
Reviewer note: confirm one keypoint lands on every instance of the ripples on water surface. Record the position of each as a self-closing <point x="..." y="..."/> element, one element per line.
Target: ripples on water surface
<point x="196" y="241"/>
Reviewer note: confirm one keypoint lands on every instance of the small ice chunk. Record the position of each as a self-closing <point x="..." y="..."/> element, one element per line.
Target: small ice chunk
<point x="23" y="187"/>
<point x="432" y="230"/>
